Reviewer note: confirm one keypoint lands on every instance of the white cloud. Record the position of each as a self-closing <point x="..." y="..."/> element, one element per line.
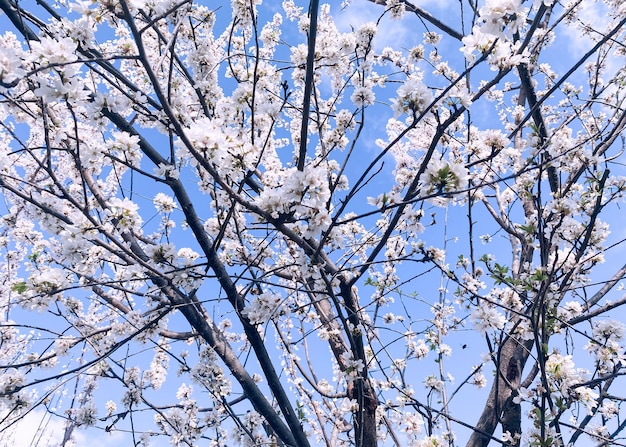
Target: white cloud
<point x="38" y="429"/>
<point x="35" y="428"/>
<point x="393" y="33"/>
<point x="592" y="14"/>
<point x="363" y="11"/>
<point x="596" y="16"/>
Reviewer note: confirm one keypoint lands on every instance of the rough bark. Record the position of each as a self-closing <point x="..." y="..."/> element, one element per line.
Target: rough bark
<point x="500" y="408"/>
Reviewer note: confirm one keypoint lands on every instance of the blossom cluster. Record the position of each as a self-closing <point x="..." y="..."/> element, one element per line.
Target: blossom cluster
<point x="330" y="230"/>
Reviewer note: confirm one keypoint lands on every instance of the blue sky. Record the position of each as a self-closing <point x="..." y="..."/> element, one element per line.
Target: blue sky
<point x="392" y="33"/>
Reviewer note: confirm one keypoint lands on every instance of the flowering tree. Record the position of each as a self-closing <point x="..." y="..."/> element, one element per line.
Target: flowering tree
<point x="234" y="224"/>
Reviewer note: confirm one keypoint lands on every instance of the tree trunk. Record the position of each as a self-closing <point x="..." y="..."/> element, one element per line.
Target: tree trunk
<point x="500" y="408"/>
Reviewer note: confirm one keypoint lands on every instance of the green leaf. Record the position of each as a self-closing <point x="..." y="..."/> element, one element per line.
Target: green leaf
<point x="501" y="269"/>
<point x="300" y="411"/>
<point x="530" y="229"/>
<point x="19" y="287"/>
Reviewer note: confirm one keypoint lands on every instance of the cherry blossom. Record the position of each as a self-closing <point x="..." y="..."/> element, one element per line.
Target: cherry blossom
<point x="301" y="224"/>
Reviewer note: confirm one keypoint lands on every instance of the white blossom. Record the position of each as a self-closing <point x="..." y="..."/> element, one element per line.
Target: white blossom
<point x="486" y="317"/>
<point x="264" y="307"/>
<point x="164" y="203"/>
<point x="412" y="97"/>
